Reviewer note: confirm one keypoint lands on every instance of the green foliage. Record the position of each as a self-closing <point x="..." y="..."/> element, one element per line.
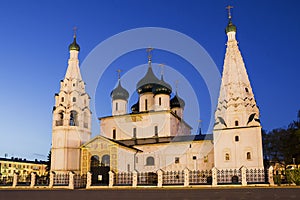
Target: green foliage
<point x="293" y="176"/>
<point x="283" y="144"/>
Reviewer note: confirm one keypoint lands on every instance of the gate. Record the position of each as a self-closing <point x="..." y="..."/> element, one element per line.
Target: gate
<point x="100" y="175"/>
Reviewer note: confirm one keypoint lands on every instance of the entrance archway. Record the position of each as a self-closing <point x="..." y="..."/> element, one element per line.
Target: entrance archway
<point x="100" y="170"/>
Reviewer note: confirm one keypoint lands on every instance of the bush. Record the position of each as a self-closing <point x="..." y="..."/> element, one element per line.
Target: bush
<point x="293" y="176"/>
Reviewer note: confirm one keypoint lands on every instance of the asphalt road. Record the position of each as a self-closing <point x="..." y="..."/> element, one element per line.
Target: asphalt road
<point x="282" y="193"/>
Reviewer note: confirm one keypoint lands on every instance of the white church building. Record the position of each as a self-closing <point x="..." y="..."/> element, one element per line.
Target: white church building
<point x="154" y="136"/>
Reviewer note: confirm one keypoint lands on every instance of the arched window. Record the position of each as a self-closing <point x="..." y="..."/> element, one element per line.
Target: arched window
<point x="248" y="155"/>
<point x="246" y="89"/>
<point x="95" y="161"/>
<point x="236" y="123"/>
<point x="227" y="156"/>
<point x="85" y="118"/>
<point x="60" y="120"/>
<point x="73" y="118"/>
<point x="159" y="101"/>
<point x="134" y="132"/>
<point x="150" y="161"/>
<point x="62" y="99"/>
<point x="236" y="138"/>
<point x="117" y="106"/>
<point x="114" y="133"/>
<point x="105" y="161"/>
<point x="74" y="99"/>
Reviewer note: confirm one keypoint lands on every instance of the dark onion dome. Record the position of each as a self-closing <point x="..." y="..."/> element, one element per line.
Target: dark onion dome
<point x="177" y="102"/>
<point x="230" y="27"/>
<point x="136" y="107"/>
<point x="74" y="45"/>
<point x="119" y="93"/>
<point x="162" y="87"/>
<point x="147" y="83"/>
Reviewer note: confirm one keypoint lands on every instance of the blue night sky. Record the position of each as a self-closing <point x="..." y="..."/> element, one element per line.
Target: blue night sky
<point x="34" y="39"/>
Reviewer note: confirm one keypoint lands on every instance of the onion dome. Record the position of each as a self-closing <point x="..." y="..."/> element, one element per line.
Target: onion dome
<point x="147" y="83"/>
<point x="230" y="27"/>
<point x="177" y="102"/>
<point x="119" y="93"/>
<point x="136" y="107"/>
<point x="162" y="87"/>
<point x="74" y="45"/>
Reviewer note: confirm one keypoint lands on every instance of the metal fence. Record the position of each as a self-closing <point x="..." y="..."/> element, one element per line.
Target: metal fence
<point x="24" y="180"/>
<point x="61" y="180"/>
<point x="80" y="180"/>
<point x="41" y="180"/>
<point x="6" y="180"/>
<point x="229" y="176"/>
<point x="123" y="178"/>
<point x="198" y="177"/>
<point x="256" y="175"/>
<point x="147" y="178"/>
<point x="173" y="178"/>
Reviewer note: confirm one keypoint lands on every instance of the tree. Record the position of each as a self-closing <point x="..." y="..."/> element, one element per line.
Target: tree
<point x="48" y="162"/>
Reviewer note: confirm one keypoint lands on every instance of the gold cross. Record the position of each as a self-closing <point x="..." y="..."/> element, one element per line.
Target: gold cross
<point x="229" y="11"/>
<point x="149" y="52"/>
<point x="119" y="74"/>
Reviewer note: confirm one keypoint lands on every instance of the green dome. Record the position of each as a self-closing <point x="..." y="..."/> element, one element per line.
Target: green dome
<point x="74" y="45"/>
<point x="119" y="93"/>
<point x="162" y="87"/>
<point x="230" y="27"/>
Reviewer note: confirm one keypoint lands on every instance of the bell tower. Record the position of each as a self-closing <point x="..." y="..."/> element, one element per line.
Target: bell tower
<point x="237" y="130"/>
<point x="71" y="125"/>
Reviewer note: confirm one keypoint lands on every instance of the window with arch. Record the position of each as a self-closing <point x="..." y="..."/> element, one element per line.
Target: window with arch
<point x="150" y="161"/>
<point x="248" y="155"/>
<point x="74" y="99"/>
<point x="236" y="123"/>
<point x="227" y="157"/>
<point x="60" y="119"/>
<point x="236" y="138"/>
<point x="134" y="132"/>
<point x="73" y="118"/>
<point x="114" y="133"/>
<point x="146" y="104"/>
<point x="62" y="99"/>
<point x="105" y="160"/>
<point x="117" y="106"/>
<point x="159" y="101"/>
<point x="247" y="90"/>
<point x="85" y="118"/>
<point x="95" y="161"/>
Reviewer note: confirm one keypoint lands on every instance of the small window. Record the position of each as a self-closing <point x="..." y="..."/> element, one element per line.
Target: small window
<point x="73" y="84"/>
<point x="194" y="157"/>
<point x="159" y="101"/>
<point x="62" y="99"/>
<point x="117" y="106"/>
<point x="155" y="131"/>
<point x="176" y="160"/>
<point x="236" y="123"/>
<point x="114" y="134"/>
<point x="74" y="99"/>
<point x="236" y="138"/>
<point x="205" y="159"/>
<point x="175" y="112"/>
<point x="227" y="156"/>
<point x="146" y="104"/>
<point x="134" y="132"/>
<point x="150" y="161"/>
<point x="248" y="156"/>
<point x="246" y="89"/>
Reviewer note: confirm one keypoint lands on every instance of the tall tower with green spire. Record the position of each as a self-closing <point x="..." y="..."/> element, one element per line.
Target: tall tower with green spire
<point x="237" y="130"/>
<point x="71" y="125"/>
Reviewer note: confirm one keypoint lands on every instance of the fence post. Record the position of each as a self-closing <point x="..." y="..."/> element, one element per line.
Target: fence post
<point x="270" y="174"/>
<point x="244" y="176"/>
<point x="15" y="180"/>
<point x="71" y="180"/>
<point x="111" y="179"/>
<point x="33" y="178"/>
<point x="134" y="178"/>
<point x="214" y="176"/>
<point x="186" y="177"/>
<point x="159" y="178"/>
<point x="88" y="180"/>
<point x="51" y="181"/>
